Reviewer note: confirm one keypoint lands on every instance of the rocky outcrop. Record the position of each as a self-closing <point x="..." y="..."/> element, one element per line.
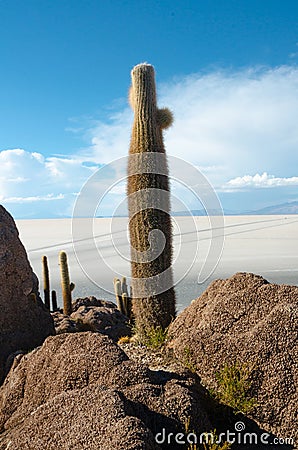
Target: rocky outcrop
<point x="92" y="314"/>
<point x="247" y="320"/>
<point x="24" y="321"/>
<point x="81" y="391"/>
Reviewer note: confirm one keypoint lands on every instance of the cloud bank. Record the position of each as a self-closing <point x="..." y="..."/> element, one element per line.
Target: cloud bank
<point x="30" y="178"/>
<point x="259" y="181"/>
<point x="236" y="126"/>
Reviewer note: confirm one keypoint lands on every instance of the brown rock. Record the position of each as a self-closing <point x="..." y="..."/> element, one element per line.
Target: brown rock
<point x="92" y="314"/>
<point x="91" y="301"/>
<point x="103" y="319"/>
<point x="245" y="319"/>
<point x="81" y="391"/>
<point x="63" y="324"/>
<point x="24" y="321"/>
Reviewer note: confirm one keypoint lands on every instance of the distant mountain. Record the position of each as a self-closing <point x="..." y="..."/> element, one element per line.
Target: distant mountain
<point x="283" y="209"/>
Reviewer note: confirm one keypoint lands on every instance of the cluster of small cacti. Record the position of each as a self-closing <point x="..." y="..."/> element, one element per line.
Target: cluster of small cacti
<point x="123" y="298"/>
<point x="46" y="286"/>
<point x="66" y="285"/>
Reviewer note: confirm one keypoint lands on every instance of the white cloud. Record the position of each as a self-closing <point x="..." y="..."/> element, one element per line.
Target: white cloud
<point x="259" y="181"/>
<point x="30" y="178"/>
<point x="30" y="171"/>
<point x="37" y="198"/>
<point x="226" y="123"/>
<point x="240" y="121"/>
<point x="110" y="140"/>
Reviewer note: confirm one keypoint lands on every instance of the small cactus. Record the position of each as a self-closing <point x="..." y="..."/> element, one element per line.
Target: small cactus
<point x="46" y="281"/>
<point x="124" y="285"/>
<point x="125" y="303"/>
<point x="123" y="299"/>
<point x="65" y="284"/>
<point x="54" y="301"/>
<point x="118" y="294"/>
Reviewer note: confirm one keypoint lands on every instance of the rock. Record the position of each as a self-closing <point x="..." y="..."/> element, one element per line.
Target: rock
<point x="245" y="319"/>
<point x="24" y="320"/>
<point x="92" y="314"/>
<point x="81" y="391"/>
<point x="63" y="324"/>
<point x="109" y="321"/>
<point x="91" y="301"/>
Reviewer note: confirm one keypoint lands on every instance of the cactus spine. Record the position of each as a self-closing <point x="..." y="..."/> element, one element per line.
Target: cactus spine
<point x="46" y="281"/>
<point x="153" y="305"/>
<point x="65" y="283"/>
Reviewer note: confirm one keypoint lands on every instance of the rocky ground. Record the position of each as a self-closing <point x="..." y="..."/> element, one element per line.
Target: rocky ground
<point x="67" y="384"/>
<point x="92" y="314"/>
<point x="81" y="391"/>
<point x="248" y="322"/>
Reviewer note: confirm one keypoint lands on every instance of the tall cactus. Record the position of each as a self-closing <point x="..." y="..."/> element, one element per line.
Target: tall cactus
<point x="149" y="205"/>
<point x="46" y="281"/>
<point x="65" y="284"/>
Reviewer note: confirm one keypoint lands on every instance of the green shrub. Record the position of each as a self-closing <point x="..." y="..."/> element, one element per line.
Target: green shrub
<point x="214" y="445"/>
<point x="189" y="360"/>
<point x="155" y="338"/>
<point x="234" y="385"/>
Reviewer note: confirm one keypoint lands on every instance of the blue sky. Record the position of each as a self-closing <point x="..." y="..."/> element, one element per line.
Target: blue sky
<point x="227" y="69"/>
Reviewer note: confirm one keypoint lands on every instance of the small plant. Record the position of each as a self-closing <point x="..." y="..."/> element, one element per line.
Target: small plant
<point x="124" y="340"/>
<point x="234" y="385"/>
<point x="155" y="338"/>
<point x="188" y="360"/>
<point x="214" y="444"/>
<point x="211" y="440"/>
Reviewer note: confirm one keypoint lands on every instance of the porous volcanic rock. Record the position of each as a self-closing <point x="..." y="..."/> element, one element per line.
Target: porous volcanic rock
<point x="91" y="301"/>
<point x="24" y="320"/>
<point x="81" y="391"/>
<point x="92" y="314"/>
<point x="246" y="319"/>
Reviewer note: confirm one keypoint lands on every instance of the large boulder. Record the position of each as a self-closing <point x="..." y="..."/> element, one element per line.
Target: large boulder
<point x="81" y="391"/>
<point x="24" y="321"/>
<point x="247" y="321"/>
